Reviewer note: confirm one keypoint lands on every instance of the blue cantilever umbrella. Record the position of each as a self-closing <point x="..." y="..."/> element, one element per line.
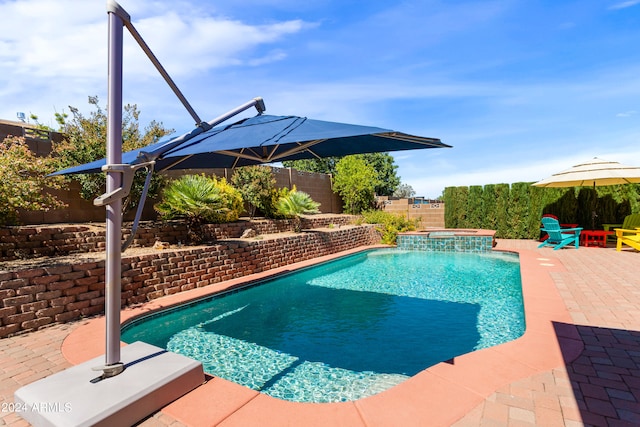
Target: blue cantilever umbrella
<point x="266" y="139"/>
<point x="256" y="140"/>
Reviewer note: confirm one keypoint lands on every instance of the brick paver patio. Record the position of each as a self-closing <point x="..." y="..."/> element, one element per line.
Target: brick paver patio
<point x="601" y="290"/>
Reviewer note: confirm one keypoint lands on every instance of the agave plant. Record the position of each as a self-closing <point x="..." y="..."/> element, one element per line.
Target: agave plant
<point x="294" y="204"/>
<point x="195" y="198"/>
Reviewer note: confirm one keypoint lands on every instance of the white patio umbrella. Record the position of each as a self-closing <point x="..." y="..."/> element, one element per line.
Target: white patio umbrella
<point x="594" y="172"/>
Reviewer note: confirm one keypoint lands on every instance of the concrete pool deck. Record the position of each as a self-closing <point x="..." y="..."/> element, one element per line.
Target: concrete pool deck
<point x="577" y="364"/>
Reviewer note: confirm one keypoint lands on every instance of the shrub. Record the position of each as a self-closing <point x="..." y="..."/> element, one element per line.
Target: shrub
<point x="355" y="181"/>
<point x="84" y="142"/>
<point x="23" y="181"/>
<point x="270" y="209"/>
<point x="232" y="200"/>
<point x="194" y="198"/>
<point x="294" y="204"/>
<point x="388" y="224"/>
<point x="255" y="183"/>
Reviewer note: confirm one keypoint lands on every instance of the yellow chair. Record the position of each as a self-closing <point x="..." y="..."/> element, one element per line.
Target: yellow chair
<point x="628" y="237"/>
<point x="630" y="222"/>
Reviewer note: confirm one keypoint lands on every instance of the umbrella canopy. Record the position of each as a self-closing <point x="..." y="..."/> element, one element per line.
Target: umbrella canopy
<point x="595" y="172"/>
<point x="266" y="139"/>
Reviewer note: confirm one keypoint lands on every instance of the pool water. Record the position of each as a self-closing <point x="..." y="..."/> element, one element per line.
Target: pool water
<point x="349" y="328"/>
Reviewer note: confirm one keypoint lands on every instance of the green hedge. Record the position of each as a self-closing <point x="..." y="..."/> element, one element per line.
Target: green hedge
<point x="515" y="211"/>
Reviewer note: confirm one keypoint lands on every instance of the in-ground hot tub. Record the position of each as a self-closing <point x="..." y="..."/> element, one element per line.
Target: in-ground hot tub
<point x="448" y="240"/>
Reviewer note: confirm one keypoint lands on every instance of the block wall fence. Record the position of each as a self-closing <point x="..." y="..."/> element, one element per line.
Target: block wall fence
<point x="427" y="214"/>
<point x="317" y="185"/>
<point x="38" y="296"/>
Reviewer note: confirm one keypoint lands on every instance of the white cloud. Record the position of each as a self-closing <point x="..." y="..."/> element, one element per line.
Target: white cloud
<point x="188" y="44"/>
<point x="54" y="54"/>
<point x="624" y="4"/>
<point x="42" y="39"/>
<point x="272" y="56"/>
<point x="54" y="42"/>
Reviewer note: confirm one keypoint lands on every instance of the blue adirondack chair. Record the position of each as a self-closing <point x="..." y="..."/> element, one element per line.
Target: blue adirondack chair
<point x="559" y="237"/>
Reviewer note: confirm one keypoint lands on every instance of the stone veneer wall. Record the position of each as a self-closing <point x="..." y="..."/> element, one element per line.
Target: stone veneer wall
<point x="40" y="296"/>
<point x="448" y="242"/>
<point x="36" y="241"/>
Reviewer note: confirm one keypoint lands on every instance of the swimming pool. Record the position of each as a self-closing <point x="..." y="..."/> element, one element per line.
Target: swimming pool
<point x="348" y="328"/>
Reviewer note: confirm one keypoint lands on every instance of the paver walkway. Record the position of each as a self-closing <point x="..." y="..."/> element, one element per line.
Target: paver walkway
<point x="601" y="290"/>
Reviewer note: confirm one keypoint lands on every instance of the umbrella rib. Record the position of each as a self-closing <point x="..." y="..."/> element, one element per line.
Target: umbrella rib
<point x="254" y="152"/>
<point x="177" y="162"/>
<point x="432" y="142"/>
<point x="268" y="157"/>
<point x="240" y="155"/>
<point x="301" y="147"/>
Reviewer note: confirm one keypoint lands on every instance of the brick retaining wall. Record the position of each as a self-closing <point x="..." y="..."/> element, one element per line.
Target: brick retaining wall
<point x="35" y="297"/>
<point x="36" y="241"/>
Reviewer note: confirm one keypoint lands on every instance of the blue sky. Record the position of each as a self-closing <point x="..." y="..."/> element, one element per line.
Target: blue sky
<point x="520" y="89"/>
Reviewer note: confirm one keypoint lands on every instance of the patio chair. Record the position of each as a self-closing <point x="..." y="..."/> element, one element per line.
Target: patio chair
<point x="559" y="237"/>
<point x="630" y="223"/>
<point x="545" y="236"/>
<point x="628" y="237"/>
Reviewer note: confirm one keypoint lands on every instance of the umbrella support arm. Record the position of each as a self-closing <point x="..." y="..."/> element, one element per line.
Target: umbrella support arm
<point x="115" y="8"/>
<point x="257" y="102"/>
<point x="143" y="199"/>
<point x="128" y="171"/>
<point x="120" y="176"/>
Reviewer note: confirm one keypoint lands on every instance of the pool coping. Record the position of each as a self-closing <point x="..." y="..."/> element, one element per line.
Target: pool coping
<point x="439" y="395"/>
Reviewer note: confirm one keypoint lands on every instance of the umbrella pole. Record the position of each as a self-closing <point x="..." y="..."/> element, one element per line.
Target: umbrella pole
<point x="593" y="207"/>
<point x="113" y="267"/>
<point x="116" y="172"/>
